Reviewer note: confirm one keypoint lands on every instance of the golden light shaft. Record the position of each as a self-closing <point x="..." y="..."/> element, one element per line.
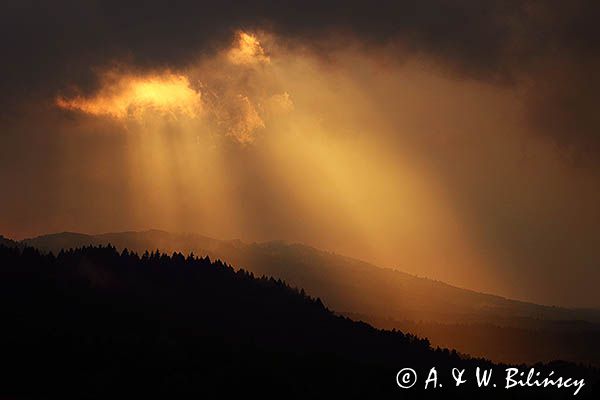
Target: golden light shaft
<point x="369" y="159"/>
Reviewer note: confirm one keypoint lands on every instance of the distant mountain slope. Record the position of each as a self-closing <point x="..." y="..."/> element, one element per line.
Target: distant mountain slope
<point x="382" y="296"/>
<point x="344" y="283"/>
<point x="96" y="323"/>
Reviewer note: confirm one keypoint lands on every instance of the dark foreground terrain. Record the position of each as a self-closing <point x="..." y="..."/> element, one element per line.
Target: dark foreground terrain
<point x="97" y="323"/>
<point x="478" y="324"/>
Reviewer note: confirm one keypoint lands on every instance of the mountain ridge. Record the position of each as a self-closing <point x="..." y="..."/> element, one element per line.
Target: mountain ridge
<point x="129" y="325"/>
<point x="53" y="242"/>
<point x="384" y="297"/>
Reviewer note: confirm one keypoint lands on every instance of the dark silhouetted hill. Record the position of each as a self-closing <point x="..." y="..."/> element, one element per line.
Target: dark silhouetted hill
<point x="96" y="323"/>
<point x="387" y="298"/>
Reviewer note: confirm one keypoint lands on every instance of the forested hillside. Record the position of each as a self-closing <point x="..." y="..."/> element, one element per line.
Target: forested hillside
<point x="97" y="321"/>
<point x="475" y="323"/>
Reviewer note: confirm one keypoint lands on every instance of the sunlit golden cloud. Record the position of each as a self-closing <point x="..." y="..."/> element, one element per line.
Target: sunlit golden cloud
<point x="125" y="96"/>
<point x="248" y="51"/>
<point x="240" y="118"/>
<point x="229" y="105"/>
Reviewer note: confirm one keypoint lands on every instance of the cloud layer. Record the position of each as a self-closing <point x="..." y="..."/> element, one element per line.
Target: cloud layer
<point x="549" y="49"/>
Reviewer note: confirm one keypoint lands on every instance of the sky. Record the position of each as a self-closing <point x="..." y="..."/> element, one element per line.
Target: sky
<point x="452" y="140"/>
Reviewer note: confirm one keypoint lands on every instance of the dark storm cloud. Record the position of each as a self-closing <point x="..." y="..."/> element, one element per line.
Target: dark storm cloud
<point x="551" y="46"/>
